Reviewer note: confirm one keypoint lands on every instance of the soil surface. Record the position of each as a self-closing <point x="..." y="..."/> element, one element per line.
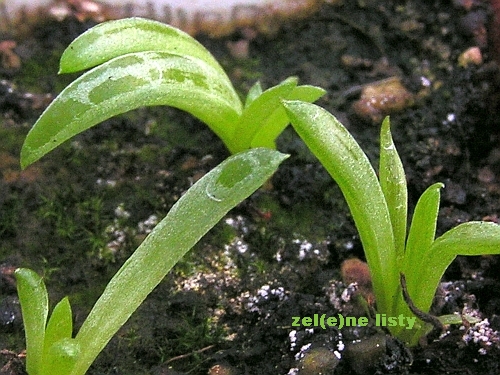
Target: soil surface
<point x="227" y="307"/>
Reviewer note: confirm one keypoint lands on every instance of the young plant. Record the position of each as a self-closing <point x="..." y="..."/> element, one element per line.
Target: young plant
<point x="50" y="347"/>
<point x="379" y="209"/>
<point x="137" y="62"/>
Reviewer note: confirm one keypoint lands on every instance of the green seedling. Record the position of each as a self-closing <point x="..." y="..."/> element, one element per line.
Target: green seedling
<point x="379" y="209"/>
<point x="51" y="348"/>
<point x="137" y="62"/>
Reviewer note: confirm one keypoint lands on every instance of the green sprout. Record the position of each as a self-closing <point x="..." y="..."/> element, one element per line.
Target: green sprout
<point x="137" y="62"/>
<point x="379" y="209"/>
<point x="50" y="347"/>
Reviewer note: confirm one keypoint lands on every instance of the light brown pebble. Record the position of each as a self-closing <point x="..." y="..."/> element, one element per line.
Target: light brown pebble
<point x="222" y="369"/>
<point x="471" y="56"/>
<point x="382" y="98"/>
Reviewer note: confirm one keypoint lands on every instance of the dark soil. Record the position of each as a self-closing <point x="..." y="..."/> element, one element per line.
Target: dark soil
<point x="76" y="215"/>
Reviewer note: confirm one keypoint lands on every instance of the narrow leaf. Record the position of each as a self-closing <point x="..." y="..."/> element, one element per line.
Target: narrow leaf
<point x="60" y="324"/>
<point x="34" y="306"/>
<point x="256" y="114"/>
<point x="422" y="232"/>
<point x="420" y="238"/>
<point x="472" y="238"/>
<point x="278" y="120"/>
<point x="116" y="38"/>
<point x="196" y="212"/>
<point x="393" y="183"/>
<point x="126" y="83"/>
<point x="349" y="166"/>
<point x="254" y="92"/>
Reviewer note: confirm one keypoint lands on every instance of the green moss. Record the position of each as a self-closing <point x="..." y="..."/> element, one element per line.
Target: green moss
<point x="39" y="73"/>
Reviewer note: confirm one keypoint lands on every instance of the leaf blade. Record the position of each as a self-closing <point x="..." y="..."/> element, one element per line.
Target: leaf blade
<point x="420" y="238"/>
<point x="197" y="211"/>
<point x="119" y="37"/>
<point x="393" y="183"/>
<point x="254" y="92"/>
<point x="34" y="306"/>
<point x="277" y="122"/>
<point x="349" y="166"/>
<point x="61" y="356"/>
<point x="422" y="229"/>
<point x="255" y="115"/>
<point x="60" y="324"/>
<point x="471" y="238"/>
<point x="128" y="82"/>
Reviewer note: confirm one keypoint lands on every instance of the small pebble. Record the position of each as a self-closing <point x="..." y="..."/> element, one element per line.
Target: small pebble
<point x="382" y="98"/>
<point x="364" y="354"/>
<point x="318" y="361"/>
<point x="471" y="56"/>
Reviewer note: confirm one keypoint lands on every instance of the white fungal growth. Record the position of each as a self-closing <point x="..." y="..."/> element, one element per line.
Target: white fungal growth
<point x="239" y="223"/>
<point x="302" y="351"/>
<point x="121" y="212"/>
<point x="253" y="301"/>
<point x="147" y="225"/>
<point x="482" y="334"/>
<point x="293" y="339"/>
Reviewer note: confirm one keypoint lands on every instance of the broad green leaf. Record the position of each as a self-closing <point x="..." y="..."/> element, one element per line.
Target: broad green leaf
<point x="61" y="357"/>
<point x="34" y="306"/>
<point x="60" y="325"/>
<point x="128" y="82"/>
<point x="349" y="166"/>
<point x="393" y="183"/>
<point x="116" y="38"/>
<point x="196" y="212"/>
<point x="257" y="113"/>
<point x="278" y="120"/>
<point x="472" y="238"/>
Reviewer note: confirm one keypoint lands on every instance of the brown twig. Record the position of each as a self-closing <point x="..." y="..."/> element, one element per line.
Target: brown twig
<point x="189" y="354"/>
<point x="425" y="317"/>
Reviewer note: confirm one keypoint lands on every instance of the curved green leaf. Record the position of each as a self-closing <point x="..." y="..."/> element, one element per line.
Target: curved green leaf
<point x="421" y="235"/>
<point x="349" y="166"/>
<point x="196" y="212"/>
<point x="128" y="82"/>
<point x="34" y="306"/>
<point x="116" y="38"/>
<point x="278" y="120"/>
<point x="472" y="238"/>
<point x="257" y="112"/>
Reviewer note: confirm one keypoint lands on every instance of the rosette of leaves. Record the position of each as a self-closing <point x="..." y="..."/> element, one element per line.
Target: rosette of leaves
<point x="136" y="62"/>
<point x="379" y="208"/>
